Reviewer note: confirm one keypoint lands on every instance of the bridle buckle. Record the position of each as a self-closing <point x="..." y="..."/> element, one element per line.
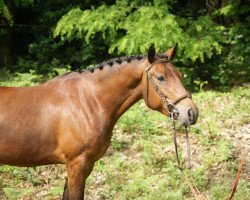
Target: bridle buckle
<point x="172" y="110"/>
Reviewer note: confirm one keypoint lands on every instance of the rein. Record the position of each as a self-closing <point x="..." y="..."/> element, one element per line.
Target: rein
<point x="176" y="145"/>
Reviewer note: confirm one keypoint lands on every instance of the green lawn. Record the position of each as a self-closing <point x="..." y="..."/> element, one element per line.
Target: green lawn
<point x="140" y="163"/>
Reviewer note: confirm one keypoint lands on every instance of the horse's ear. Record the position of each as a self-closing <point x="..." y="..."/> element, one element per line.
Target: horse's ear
<point x="171" y="52"/>
<point x="151" y="53"/>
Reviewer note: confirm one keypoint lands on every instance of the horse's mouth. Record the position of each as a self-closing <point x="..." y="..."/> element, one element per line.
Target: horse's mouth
<point x="186" y="121"/>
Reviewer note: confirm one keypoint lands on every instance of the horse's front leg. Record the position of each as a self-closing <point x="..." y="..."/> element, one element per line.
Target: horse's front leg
<point x="78" y="171"/>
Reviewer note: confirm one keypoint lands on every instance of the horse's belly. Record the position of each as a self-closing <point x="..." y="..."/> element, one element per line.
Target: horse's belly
<point x="23" y="145"/>
<point x="28" y="118"/>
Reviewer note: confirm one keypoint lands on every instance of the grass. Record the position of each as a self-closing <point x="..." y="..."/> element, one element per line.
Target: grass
<point x="140" y="163"/>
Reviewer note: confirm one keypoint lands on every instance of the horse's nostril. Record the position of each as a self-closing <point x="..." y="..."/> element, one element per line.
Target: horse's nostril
<point x="191" y="115"/>
<point x="175" y="113"/>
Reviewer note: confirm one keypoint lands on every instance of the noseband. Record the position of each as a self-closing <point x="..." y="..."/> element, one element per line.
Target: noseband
<point x="170" y="104"/>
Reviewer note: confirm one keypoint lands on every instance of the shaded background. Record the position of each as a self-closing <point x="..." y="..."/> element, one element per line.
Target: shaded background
<point x="213" y="36"/>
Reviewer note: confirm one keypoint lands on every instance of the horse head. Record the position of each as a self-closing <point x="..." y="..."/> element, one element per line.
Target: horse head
<point x="163" y="89"/>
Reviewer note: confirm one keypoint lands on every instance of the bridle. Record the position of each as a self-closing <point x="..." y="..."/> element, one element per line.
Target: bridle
<point x="170" y="107"/>
<point x="170" y="104"/>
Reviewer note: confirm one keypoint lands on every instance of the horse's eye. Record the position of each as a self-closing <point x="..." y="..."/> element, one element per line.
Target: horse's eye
<point x="160" y="78"/>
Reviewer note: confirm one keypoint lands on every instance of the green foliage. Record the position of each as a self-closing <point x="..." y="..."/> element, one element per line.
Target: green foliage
<point x="200" y="85"/>
<point x="234" y="8"/>
<point x="28" y="79"/>
<point x="19" y="79"/>
<point x="222" y="154"/>
<point x="137" y="120"/>
<point x="5" y="10"/>
<point x="130" y="27"/>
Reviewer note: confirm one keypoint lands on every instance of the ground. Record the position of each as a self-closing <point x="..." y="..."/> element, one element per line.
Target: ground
<point x="140" y="163"/>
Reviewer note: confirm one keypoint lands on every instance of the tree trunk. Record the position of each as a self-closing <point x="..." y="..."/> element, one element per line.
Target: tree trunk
<point x="6" y="54"/>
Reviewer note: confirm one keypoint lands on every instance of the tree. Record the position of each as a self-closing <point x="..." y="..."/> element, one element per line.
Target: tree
<point x="216" y="32"/>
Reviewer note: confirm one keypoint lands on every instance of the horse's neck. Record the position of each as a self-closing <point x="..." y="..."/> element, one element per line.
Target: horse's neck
<point x="118" y="88"/>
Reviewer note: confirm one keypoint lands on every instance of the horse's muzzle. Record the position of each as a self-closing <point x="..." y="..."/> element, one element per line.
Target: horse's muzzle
<point x="187" y="116"/>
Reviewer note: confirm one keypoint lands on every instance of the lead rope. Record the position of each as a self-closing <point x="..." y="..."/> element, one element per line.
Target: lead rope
<point x="188" y="149"/>
<point x="176" y="145"/>
<point x="197" y="194"/>
<point x="237" y="176"/>
<point x="175" y="142"/>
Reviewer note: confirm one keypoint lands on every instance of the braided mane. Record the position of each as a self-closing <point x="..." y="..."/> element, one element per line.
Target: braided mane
<point x="118" y="61"/>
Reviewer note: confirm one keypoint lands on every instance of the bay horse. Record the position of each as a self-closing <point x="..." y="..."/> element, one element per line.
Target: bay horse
<point x="69" y="119"/>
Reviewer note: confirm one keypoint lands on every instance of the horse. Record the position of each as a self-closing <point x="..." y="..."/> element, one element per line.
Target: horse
<point x="69" y="119"/>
